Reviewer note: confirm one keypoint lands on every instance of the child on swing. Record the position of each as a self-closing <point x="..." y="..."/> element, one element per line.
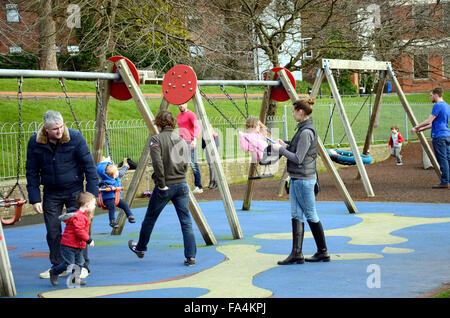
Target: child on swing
<point x="110" y="177"/>
<point x="254" y="139"/>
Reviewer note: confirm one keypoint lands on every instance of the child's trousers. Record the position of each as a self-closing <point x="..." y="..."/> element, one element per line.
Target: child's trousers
<point x="395" y="151"/>
<point x="111" y="205"/>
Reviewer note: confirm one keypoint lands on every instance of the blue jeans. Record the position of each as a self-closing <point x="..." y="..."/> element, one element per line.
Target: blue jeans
<point x="111" y="205"/>
<point x="303" y="200"/>
<point x="194" y="166"/>
<point x="179" y="195"/>
<point x="53" y="204"/>
<point x="70" y="255"/>
<point x="441" y="147"/>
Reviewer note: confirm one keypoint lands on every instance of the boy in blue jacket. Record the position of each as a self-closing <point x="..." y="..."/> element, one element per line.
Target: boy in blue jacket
<point x="110" y="177"/>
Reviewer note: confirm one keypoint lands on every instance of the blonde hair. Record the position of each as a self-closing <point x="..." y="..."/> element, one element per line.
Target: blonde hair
<point x="110" y="170"/>
<point x="305" y="104"/>
<point x="84" y="198"/>
<point x="252" y="122"/>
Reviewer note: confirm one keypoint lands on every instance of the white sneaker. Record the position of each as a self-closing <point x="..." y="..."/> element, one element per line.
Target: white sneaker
<point x="197" y="190"/>
<point x="84" y="273"/>
<point x="46" y="274"/>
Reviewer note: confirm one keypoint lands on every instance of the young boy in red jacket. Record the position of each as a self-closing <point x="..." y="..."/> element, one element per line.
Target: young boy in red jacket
<point x="395" y="142"/>
<point x="75" y="237"/>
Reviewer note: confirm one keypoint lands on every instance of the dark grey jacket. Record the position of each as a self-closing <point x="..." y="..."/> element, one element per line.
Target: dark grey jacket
<point x="301" y="151"/>
<point x="170" y="157"/>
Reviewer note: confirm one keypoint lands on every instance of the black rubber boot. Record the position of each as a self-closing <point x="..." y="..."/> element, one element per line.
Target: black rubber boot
<point x="296" y="256"/>
<point x="212" y="179"/>
<point x="319" y="236"/>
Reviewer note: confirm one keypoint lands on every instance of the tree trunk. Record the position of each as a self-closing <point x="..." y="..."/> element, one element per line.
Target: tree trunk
<point x="47" y="37"/>
<point x="107" y="34"/>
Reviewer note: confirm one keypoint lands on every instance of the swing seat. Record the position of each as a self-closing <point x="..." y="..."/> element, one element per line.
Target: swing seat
<point x="259" y="177"/>
<point x="346" y="157"/>
<point x="267" y="160"/>
<point x="17" y="203"/>
<point x="117" y="190"/>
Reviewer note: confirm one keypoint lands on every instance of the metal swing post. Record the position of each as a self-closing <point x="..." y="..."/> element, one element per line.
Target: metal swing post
<point x="148" y="117"/>
<point x="348" y="130"/>
<point x="322" y="151"/>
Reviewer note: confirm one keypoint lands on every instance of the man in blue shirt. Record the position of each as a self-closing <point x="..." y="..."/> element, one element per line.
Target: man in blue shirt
<point x="440" y="134"/>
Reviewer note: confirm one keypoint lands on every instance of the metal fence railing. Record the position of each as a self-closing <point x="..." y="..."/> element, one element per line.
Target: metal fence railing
<point x="127" y="137"/>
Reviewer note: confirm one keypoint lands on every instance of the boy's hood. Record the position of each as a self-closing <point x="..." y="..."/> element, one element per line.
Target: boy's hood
<point x="101" y="170"/>
<point x="68" y="214"/>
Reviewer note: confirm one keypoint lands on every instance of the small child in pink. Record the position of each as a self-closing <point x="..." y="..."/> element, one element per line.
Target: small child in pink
<point x="254" y="139"/>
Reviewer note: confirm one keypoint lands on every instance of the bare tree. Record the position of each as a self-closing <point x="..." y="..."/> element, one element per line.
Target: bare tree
<point x="47" y="36"/>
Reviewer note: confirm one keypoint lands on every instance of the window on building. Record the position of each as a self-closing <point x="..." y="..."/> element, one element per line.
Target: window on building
<point x="73" y="49"/>
<point x="15" y="49"/>
<point x="305" y="44"/>
<point x="446" y="66"/>
<point x="421" y="66"/>
<point x="12" y="13"/>
<point x="197" y="51"/>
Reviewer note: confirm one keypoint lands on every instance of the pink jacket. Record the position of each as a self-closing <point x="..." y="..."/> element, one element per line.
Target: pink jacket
<point x="253" y="142"/>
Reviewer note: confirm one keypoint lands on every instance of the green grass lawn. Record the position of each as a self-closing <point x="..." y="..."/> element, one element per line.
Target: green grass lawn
<point x="85" y="109"/>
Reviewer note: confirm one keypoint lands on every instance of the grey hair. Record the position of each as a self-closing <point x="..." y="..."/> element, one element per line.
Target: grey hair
<point x="52" y="117"/>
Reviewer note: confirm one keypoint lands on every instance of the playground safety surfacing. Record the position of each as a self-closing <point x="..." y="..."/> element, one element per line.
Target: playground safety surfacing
<point x="387" y="250"/>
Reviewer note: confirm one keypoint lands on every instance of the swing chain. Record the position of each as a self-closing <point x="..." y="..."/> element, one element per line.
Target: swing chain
<point x="19" y="143"/>
<point x="214" y="105"/>
<point x="232" y="101"/>
<point x="69" y="102"/>
<point x="246" y="100"/>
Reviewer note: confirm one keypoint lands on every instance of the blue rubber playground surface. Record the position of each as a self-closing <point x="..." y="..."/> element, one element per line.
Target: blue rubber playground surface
<point x="386" y="250"/>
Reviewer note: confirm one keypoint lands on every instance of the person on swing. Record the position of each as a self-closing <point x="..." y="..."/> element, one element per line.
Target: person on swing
<point x="110" y="176"/>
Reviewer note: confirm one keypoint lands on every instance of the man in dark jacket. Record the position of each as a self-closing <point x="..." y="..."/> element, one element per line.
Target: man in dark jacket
<point x="59" y="159"/>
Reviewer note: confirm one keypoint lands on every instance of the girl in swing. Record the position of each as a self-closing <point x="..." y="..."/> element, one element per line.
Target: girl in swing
<point x="254" y="139"/>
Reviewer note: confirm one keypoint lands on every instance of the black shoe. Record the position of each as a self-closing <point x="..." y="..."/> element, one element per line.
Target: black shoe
<point x="212" y="185"/>
<point x="131" y="219"/>
<point x="53" y="278"/>
<point x="321" y="256"/>
<point x="113" y="224"/>
<point x="190" y="261"/>
<point x="319" y="236"/>
<point x="132" y="246"/>
<point x="296" y="256"/>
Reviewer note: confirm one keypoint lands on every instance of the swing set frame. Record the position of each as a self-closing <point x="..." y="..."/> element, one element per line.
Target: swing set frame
<point x="125" y="75"/>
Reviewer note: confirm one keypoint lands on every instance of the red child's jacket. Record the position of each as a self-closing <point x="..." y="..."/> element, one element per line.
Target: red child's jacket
<point x="400" y="140"/>
<point x="76" y="233"/>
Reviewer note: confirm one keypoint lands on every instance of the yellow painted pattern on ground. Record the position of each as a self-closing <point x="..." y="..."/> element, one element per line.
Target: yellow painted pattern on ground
<point x="375" y="229"/>
<point x="232" y="278"/>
